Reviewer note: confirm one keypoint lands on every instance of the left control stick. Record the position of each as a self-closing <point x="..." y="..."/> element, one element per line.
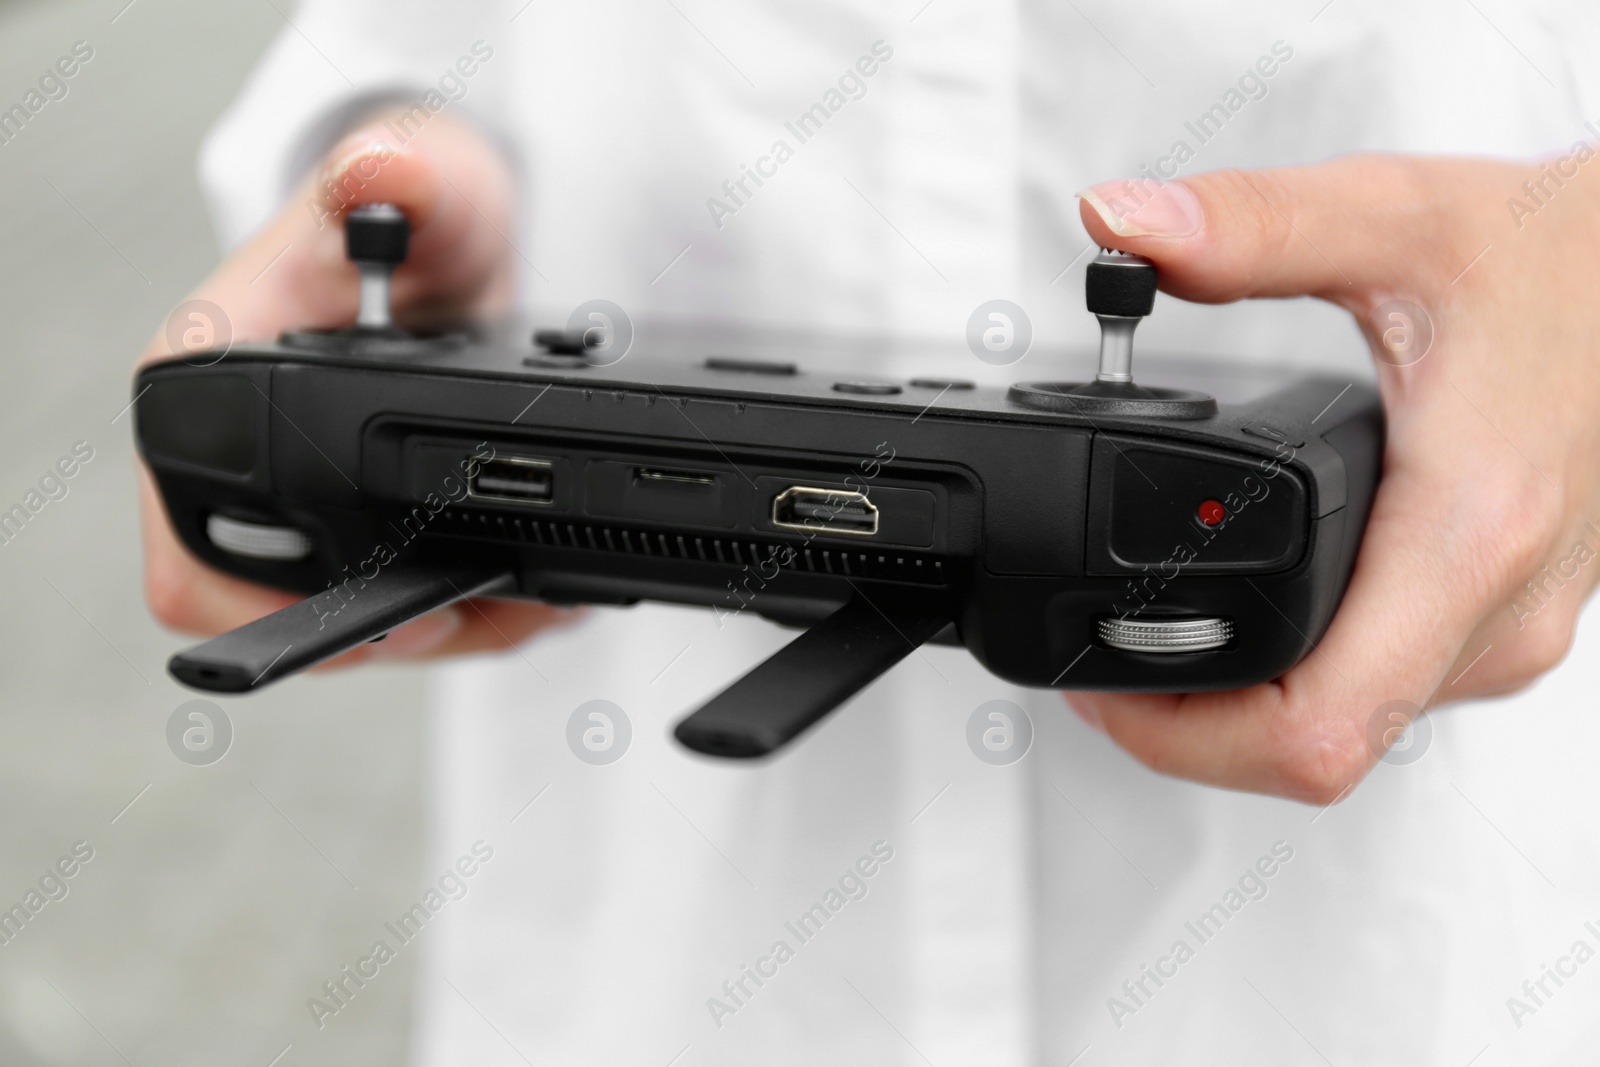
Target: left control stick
<point x="375" y="238"/>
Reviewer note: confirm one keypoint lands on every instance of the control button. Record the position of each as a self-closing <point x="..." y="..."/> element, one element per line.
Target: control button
<point x="750" y="366"/>
<point x="1164" y="636"/>
<point x="1211" y="512"/>
<point x="867" y="388"/>
<point x="1272" y="433"/>
<point x="562" y="343"/>
<point x="943" y="383"/>
<point x="255" y="540"/>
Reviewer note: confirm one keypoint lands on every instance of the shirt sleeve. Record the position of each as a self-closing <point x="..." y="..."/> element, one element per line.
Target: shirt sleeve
<point x="333" y="62"/>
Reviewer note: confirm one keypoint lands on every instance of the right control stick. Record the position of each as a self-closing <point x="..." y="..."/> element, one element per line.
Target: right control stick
<point x="1120" y="290"/>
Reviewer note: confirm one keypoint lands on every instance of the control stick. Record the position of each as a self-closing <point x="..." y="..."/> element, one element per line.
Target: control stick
<point x="375" y="239"/>
<point x="1120" y="290"/>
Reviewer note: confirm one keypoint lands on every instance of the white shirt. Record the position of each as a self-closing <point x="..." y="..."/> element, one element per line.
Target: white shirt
<point x="1019" y="899"/>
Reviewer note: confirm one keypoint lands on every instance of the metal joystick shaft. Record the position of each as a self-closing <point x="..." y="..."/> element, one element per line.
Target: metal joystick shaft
<point x="1120" y="290"/>
<point x="375" y="239"/>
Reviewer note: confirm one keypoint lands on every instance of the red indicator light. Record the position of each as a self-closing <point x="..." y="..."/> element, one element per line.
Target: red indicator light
<point x="1211" y="512"/>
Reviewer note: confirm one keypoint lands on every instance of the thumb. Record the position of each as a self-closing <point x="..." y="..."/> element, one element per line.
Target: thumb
<point x="1345" y="230"/>
<point x="456" y="193"/>
<point x="453" y="187"/>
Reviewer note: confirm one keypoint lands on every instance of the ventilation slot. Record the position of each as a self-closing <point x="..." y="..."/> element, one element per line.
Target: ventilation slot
<point x="555" y="533"/>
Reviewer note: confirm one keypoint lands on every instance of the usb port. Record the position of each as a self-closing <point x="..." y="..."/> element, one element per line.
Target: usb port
<point x="513" y="480"/>
<point x="669" y="476"/>
<point x="837" y="511"/>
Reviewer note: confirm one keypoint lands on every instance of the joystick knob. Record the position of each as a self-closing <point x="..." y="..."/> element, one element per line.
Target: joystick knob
<point x="1120" y="290"/>
<point x="375" y="239"/>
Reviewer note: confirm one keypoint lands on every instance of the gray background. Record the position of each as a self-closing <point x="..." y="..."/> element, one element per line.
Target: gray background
<point x="206" y="918"/>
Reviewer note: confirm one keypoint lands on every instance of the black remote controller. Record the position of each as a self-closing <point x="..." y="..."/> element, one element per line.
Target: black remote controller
<point x="1103" y="535"/>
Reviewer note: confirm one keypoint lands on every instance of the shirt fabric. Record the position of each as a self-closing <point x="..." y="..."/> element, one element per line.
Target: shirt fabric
<point x="1022" y="914"/>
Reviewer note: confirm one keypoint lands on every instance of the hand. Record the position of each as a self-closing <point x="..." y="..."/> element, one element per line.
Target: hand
<point x="457" y="194"/>
<point x="1492" y="466"/>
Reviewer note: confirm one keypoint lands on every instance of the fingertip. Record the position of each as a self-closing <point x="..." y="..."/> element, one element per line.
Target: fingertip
<point x="1140" y="207"/>
<point x="372" y="166"/>
<point x="1172" y="224"/>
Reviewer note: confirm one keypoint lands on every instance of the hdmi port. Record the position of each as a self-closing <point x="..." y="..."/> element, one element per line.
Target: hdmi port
<point x="513" y="480"/>
<point x="837" y="511"/>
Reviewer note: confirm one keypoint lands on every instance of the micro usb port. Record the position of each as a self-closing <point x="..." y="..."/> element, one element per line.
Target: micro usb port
<point x="836" y="511"/>
<point x="513" y="480"/>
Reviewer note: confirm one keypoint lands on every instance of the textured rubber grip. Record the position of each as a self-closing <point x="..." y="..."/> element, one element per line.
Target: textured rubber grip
<point x="376" y="233"/>
<point x="1120" y="286"/>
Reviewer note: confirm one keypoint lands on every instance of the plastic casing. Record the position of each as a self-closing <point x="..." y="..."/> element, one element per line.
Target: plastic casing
<point x="1029" y="524"/>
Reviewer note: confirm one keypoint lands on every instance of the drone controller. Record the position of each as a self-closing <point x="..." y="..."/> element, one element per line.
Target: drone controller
<point x="1103" y="535"/>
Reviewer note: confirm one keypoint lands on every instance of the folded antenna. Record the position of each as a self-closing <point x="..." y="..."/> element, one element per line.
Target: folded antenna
<point x="814" y="674"/>
<point x="324" y="625"/>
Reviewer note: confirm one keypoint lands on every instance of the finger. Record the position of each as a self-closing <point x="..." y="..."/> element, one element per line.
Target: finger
<point x="1533" y="630"/>
<point x="485" y="625"/>
<point x="1341" y="230"/>
<point x="456" y="193"/>
<point x="184" y="593"/>
<point x="473" y="626"/>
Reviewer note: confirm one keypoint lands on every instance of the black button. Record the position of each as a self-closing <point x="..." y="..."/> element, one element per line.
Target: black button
<point x="1272" y="433"/>
<point x="750" y="366"/>
<point x="560" y="342"/>
<point x="867" y="388"/>
<point x="943" y="383"/>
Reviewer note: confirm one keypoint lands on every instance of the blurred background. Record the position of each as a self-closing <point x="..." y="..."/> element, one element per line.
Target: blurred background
<point x="219" y="897"/>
